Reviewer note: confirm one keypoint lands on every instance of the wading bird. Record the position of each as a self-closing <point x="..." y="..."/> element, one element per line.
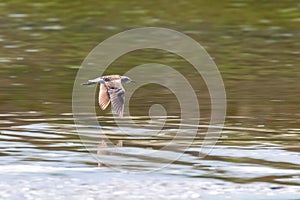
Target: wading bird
<point x="111" y="90"/>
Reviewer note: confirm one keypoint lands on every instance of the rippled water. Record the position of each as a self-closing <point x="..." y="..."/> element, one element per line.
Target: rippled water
<point x="44" y="147"/>
<point x="256" y="48"/>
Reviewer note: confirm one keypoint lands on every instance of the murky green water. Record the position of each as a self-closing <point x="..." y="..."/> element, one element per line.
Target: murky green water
<point x="254" y="44"/>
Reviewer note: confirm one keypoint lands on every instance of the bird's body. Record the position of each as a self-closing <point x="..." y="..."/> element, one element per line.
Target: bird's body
<point x="111" y="90"/>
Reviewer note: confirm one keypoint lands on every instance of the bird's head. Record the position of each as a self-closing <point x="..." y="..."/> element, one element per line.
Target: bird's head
<point x="126" y="79"/>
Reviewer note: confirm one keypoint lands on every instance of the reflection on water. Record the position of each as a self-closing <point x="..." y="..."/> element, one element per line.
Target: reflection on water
<point x="46" y="154"/>
<point x="256" y="47"/>
<point x="242" y="155"/>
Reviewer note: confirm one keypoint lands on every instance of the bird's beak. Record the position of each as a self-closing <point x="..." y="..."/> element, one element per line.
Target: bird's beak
<point x="132" y="81"/>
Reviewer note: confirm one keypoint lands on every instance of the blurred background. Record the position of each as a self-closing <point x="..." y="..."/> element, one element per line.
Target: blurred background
<point x="255" y="44"/>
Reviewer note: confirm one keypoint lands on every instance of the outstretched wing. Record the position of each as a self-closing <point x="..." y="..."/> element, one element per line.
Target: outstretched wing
<point x="93" y="81"/>
<point x="103" y="97"/>
<point x="116" y="93"/>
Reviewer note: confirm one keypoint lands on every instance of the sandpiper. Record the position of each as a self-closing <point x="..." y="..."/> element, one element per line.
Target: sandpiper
<point x="111" y="90"/>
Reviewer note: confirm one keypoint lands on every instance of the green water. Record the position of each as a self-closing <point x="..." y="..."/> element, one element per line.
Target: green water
<point x="255" y="45"/>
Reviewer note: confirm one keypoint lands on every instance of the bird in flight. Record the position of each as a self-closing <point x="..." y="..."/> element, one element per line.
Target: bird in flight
<point x="111" y="90"/>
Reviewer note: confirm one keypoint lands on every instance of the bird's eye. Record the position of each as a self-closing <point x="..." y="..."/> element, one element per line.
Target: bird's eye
<point x="106" y="79"/>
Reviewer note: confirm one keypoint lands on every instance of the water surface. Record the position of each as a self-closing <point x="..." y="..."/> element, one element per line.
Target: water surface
<point x="256" y="48"/>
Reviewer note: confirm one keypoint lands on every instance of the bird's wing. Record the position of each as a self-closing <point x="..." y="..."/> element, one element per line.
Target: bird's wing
<point x="93" y="81"/>
<point x="103" y="97"/>
<point x="116" y="93"/>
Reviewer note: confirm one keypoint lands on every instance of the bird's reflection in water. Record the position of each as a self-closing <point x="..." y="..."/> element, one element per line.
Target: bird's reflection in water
<point x="102" y="150"/>
<point x="111" y="90"/>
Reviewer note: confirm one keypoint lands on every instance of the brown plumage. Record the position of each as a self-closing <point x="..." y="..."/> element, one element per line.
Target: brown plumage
<point x="111" y="90"/>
